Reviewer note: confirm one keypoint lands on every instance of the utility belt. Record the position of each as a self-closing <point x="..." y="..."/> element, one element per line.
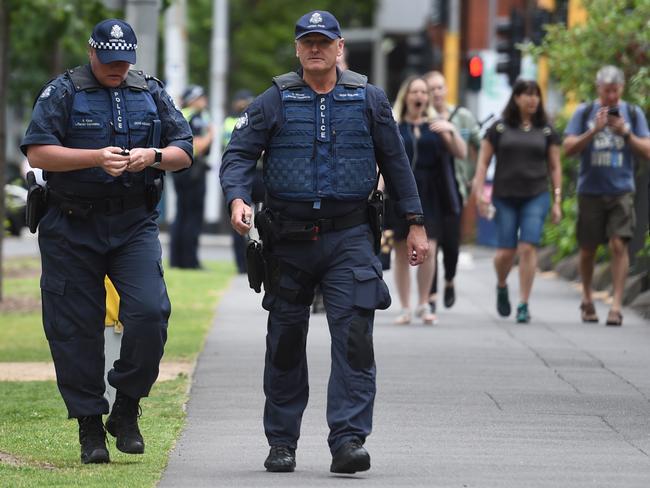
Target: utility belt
<point x="264" y="268"/>
<point x="82" y="207"/>
<point x="273" y="227"/>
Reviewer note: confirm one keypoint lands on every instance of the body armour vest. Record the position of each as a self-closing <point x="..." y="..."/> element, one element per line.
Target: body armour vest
<point x="101" y="117"/>
<point x="324" y="149"/>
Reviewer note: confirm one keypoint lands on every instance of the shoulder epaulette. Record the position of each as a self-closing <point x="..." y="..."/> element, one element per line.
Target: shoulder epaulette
<point x="82" y="78"/>
<point x="136" y="79"/>
<point x="352" y="79"/>
<point x="151" y="77"/>
<point x="288" y="81"/>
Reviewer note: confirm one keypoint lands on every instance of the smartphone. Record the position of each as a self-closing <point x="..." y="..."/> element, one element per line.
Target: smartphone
<point x="613" y="111"/>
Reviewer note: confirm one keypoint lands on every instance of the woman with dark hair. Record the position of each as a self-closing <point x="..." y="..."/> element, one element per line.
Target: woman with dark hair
<point x="527" y="151"/>
<point x="429" y="145"/>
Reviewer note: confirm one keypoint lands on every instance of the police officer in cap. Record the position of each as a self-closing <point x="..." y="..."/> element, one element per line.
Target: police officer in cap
<point x="322" y="132"/>
<point x="104" y="134"/>
<point x="190" y="185"/>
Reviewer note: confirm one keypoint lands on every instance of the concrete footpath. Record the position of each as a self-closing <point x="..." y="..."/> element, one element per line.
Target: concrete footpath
<point x="475" y="401"/>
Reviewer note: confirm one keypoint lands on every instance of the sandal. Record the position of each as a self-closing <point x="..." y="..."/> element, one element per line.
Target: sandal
<point x="614" y="317"/>
<point x="423" y="311"/>
<point x="588" y="312"/>
<point x="404" y="318"/>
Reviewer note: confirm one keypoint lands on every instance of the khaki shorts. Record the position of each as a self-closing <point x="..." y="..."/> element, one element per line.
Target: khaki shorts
<point x="601" y="217"/>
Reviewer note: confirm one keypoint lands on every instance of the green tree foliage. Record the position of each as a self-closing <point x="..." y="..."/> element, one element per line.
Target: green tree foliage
<point x="616" y="32"/>
<point x="47" y="36"/>
<point x="261" y="37"/>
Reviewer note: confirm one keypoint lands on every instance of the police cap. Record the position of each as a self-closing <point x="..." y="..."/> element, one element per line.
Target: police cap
<point x="318" y="21"/>
<point x="114" y="40"/>
<point x="191" y="93"/>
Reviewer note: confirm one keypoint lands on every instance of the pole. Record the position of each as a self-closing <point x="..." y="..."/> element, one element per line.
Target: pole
<point x="218" y="77"/>
<point x="176" y="49"/>
<point x="143" y="17"/>
<point x="452" y="52"/>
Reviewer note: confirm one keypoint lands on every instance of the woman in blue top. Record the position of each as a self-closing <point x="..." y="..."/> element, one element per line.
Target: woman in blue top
<point x="430" y="146"/>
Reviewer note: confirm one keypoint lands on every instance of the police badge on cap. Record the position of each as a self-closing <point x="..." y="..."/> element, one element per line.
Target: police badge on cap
<point x="114" y="40"/>
<point x="319" y="21"/>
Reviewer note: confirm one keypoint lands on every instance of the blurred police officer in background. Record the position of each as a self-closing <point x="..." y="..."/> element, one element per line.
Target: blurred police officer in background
<point x="322" y="131"/>
<point x="240" y="101"/>
<point x="104" y="134"/>
<point x="190" y="185"/>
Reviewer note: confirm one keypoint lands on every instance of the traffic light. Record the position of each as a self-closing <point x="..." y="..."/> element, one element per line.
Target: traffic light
<point x="419" y="57"/>
<point x="540" y="18"/>
<point x="474" y="73"/>
<point x="512" y="33"/>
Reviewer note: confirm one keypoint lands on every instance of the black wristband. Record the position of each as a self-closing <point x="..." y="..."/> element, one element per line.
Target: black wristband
<point x="417" y="219"/>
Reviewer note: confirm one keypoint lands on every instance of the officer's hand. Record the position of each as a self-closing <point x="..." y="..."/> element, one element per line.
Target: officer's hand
<point x="417" y="245"/>
<point x="111" y="160"/>
<point x="241" y="216"/>
<point x="140" y="158"/>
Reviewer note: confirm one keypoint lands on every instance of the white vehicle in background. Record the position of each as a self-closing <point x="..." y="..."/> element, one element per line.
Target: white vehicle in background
<point x="15" y="202"/>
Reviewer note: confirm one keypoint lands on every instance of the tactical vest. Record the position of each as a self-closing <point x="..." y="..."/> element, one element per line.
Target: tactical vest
<point x="324" y="149"/>
<point x="101" y="117"/>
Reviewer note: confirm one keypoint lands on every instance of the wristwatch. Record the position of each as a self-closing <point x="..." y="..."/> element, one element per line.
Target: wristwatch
<point x="158" y="158"/>
<point x="417" y="219"/>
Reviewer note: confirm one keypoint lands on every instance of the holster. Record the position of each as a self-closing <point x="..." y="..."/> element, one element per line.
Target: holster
<point x="376" y="218"/>
<point x="153" y="178"/>
<point x="153" y="191"/>
<point x="36" y="202"/>
<point x="255" y="265"/>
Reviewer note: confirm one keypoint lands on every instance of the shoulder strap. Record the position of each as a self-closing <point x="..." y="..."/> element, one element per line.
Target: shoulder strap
<point x="352" y="79"/>
<point x="82" y="78"/>
<point x="138" y="80"/>
<point x="632" y="111"/>
<point x="288" y="81"/>
<point x="451" y="116"/>
<point x="585" y="117"/>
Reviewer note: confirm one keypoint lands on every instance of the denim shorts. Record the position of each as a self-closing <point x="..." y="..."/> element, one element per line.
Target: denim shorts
<point x="520" y="219"/>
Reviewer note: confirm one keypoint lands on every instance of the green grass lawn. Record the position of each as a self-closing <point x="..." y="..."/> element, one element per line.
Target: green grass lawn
<point x="33" y="425"/>
<point x="193" y="294"/>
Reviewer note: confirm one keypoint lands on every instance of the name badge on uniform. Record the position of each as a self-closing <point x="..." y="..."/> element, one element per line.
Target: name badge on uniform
<point x="322" y="118"/>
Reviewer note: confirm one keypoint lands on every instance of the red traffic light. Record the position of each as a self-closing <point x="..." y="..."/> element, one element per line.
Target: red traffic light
<point x="475" y="66"/>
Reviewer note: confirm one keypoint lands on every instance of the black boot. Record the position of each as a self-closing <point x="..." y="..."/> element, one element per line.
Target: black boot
<point x="123" y="424"/>
<point x="350" y="458"/>
<point x="92" y="438"/>
<point x="281" y="459"/>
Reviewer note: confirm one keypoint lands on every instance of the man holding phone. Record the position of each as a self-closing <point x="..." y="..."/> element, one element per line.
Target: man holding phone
<point x="606" y="134"/>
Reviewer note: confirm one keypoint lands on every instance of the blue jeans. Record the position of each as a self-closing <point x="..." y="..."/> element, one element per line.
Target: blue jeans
<point x="520" y="219"/>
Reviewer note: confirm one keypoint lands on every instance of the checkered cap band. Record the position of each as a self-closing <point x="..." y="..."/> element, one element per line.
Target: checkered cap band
<point x="112" y="46"/>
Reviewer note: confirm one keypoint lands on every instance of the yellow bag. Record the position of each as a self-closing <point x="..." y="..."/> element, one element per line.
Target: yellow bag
<point x="112" y="306"/>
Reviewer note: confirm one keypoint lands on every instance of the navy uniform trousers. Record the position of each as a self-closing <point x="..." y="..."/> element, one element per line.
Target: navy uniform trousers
<point x="350" y="278"/>
<point x="76" y="254"/>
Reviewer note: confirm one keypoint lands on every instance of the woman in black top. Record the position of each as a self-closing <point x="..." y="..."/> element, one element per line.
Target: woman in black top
<point x="527" y="151"/>
<point x="429" y="146"/>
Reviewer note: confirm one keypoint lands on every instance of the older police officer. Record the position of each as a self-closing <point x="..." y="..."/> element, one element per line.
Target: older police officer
<point x="104" y="134"/>
<point x="322" y="132"/>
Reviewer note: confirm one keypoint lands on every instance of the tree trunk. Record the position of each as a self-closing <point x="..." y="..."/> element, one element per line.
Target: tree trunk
<point x="4" y="69"/>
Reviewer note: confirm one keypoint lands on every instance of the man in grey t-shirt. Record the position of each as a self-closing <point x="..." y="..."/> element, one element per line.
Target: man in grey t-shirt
<point x="605" y="134"/>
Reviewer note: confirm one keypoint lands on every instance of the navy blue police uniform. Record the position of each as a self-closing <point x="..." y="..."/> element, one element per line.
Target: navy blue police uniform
<point x="96" y="225"/>
<point x="321" y="153"/>
<point x="190" y="186"/>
